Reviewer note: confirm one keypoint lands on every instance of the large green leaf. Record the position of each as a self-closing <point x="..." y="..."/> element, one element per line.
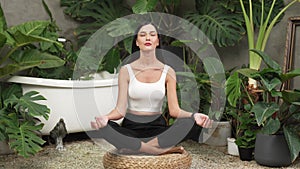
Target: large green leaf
<point x="33" y="28"/>
<point x="34" y="56"/>
<point x="263" y="111"/>
<point x="271" y="126"/>
<point x="23" y="136"/>
<point x="13" y="89"/>
<point x="14" y="68"/>
<point x="290" y="75"/>
<point x="27" y="103"/>
<point x="290" y="96"/>
<point x="271" y="84"/>
<point x="221" y="27"/>
<point x="18" y="39"/>
<point x="95" y="14"/>
<point x="250" y="73"/>
<point x="233" y="85"/>
<point x="30" y="58"/>
<point x="268" y="60"/>
<point x="144" y="6"/>
<point x="293" y="139"/>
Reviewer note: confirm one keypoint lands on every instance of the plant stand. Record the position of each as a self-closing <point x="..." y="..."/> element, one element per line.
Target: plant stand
<point x="272" y="150"/>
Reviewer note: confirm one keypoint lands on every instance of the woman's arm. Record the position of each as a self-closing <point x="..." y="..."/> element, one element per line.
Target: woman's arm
<point x="174" y="109"/>
<point x="120" y="110"/>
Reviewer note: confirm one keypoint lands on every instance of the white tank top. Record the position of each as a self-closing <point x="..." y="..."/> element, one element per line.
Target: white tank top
<point x="146" y="97"/>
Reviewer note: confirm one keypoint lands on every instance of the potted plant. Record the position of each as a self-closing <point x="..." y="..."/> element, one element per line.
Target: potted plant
<point x="18" y="118"/>
<point x="277" y="114"/>
<point x="245" y="132"/>
<point x="240" y="100"/>
<point x="276" y="111"/>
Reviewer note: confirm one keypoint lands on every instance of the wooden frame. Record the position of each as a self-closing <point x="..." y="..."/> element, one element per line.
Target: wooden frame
<point x="290" y="48"/>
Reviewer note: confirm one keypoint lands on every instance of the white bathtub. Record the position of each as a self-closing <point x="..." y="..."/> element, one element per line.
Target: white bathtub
<point x="77" y="102"/>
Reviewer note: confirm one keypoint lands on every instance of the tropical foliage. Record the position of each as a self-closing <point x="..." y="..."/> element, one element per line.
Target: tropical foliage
<point x="19" y="124"/>
<point x="27" y="45"/>
<point x="275" y="10"/>
<point x="277" y="110"/>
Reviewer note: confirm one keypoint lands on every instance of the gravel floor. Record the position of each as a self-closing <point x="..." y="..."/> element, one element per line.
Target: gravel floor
<point x="87" y="154"/>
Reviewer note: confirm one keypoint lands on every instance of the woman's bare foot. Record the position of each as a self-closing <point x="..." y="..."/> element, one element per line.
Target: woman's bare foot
<point x="146" y="148"/>
<point x="178" y="149"/>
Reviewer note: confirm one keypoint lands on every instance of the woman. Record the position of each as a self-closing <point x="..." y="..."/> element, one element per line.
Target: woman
<point x="143" y="85"/>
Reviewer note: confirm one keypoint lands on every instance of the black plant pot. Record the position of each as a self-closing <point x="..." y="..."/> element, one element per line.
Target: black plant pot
<point x="272" y="150"/>
<point x="246" y="154"/>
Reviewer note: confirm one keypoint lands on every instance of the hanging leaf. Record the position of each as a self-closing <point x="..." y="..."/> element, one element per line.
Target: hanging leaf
<point x="233" y="85"/>
<point x="263" y="111"/>
<point x="28" y="105"/>
<point x="293" y="139"/>
<point x="23" y="136"/>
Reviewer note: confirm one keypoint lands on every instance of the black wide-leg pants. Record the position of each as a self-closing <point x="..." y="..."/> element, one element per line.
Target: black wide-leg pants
<point x="135" y="129"/>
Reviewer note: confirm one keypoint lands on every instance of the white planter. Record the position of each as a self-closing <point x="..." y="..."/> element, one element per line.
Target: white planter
<point x="77" y="102"/>
<point x="232" y="148"/>
<point x="218" y="134"/>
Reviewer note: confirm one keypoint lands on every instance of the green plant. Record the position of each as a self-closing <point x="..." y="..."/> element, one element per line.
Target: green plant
<point x="266" y="25"/>
<point x="93" y="15"/>
<point x="244" y="126"/>
<point x="24" y="46"/>
<point x="27" y="45"/>
<point x="221" y="25"/>
<point x="277" y="110"/>
<point x="19" y="124"/>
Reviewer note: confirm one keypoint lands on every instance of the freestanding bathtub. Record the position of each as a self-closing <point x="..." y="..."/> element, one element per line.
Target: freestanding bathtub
<point x="76" y="101"/>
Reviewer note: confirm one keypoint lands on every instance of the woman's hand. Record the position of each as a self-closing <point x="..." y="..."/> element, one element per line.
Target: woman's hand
<point x="203" y="120"/>
<point x="100" y="122"/>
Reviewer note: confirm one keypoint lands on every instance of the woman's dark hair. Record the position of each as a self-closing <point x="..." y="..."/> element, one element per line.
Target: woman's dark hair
<point x="135" y="48"/>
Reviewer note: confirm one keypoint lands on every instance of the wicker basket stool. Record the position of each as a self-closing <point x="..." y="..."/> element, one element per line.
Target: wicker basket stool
<point x="113" y="160"/>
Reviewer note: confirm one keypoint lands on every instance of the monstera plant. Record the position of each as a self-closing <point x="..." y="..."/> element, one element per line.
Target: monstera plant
<point x="19" y="125"/>
<point x="24" y="46"/>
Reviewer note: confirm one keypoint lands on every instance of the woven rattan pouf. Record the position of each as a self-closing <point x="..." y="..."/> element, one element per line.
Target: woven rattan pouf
<point x="113" y="160"/>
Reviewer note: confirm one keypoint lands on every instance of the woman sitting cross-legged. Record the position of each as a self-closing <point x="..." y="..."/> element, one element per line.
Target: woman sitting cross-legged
<point x="142" y="87"/>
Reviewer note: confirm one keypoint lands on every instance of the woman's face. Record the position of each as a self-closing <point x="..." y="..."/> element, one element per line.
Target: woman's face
<point x="147" y="38"/>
